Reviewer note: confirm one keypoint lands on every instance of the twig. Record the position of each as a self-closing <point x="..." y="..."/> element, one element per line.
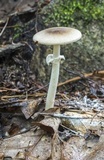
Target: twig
<point x="73" y="73"/>
<point x="78" y="78"/>
<point x="4" y="89"/>
<point x="74" y="132"/>
<point x="36" y="22"/>
<point x="94" y="117"/>
<point x="3" y="98"/>
<point x="56" y="115"/>
<point x="4" y="27"/>
<point x="38" y="88"/>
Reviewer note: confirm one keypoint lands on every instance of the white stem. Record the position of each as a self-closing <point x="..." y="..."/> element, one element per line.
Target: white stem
<point x="54" y="78"/>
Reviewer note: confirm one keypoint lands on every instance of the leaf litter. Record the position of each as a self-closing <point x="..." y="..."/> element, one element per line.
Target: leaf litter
<point x="73" y="129"/>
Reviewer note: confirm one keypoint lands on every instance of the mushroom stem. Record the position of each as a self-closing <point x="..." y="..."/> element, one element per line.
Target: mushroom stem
<point x="54" y="77"/>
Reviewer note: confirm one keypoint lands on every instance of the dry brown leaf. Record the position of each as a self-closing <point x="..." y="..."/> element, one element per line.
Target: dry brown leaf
<point x="29" y="110"/>
<point x="19" y="143"/>
<point x="76" y="149"/>
<point x="49" y="124"/>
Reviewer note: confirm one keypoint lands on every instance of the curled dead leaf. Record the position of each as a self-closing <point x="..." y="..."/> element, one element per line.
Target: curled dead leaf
<point x="50" y="125"/>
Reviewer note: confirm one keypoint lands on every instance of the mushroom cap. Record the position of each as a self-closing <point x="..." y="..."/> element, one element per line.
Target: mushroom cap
<point x="57" y="36"/>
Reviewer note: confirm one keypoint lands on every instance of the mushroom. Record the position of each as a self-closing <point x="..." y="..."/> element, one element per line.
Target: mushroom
<point x="55" y="36"/>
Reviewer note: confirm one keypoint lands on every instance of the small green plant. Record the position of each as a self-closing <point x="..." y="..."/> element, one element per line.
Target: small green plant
<point x="17" y="32"/>
<point x="62" y="12"/>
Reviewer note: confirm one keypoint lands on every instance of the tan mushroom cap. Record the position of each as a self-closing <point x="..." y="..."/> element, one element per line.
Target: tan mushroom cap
<point x="57" y="36"/>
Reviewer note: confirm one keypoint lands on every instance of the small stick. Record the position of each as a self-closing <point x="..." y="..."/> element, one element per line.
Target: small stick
<point x="4" y="27"/>
<point x="78" y="78"/>
<point x="56" y="115"/>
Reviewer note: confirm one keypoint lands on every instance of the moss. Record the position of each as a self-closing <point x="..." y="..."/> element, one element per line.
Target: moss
<point x="64" y="12"/>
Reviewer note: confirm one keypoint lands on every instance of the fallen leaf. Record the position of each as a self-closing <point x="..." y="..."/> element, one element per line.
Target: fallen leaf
<point x="19" y="143"/>
<point x="29" y="109"/>
<point x="76" y="149"/>
<point x="49" y="124"/>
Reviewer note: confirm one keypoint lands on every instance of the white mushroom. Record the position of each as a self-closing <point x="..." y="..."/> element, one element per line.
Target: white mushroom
<point x="55" y="36"/>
